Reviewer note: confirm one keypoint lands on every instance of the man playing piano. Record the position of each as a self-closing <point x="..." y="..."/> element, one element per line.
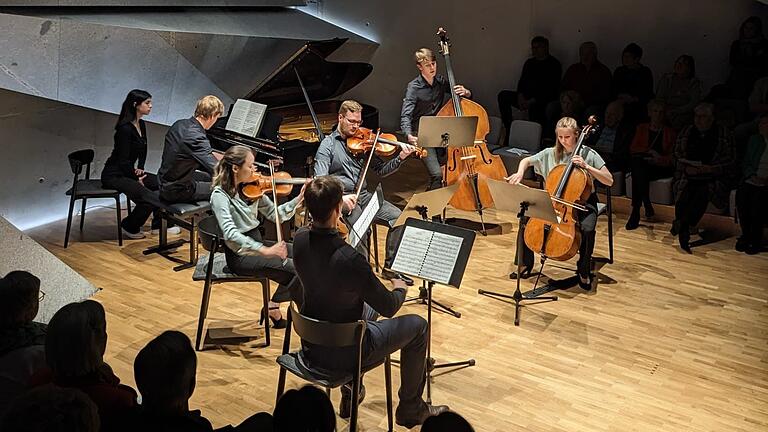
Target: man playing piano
<point x="188" y="162"/>
<point x="424" y="96"/>
<point x="333" y="158"/>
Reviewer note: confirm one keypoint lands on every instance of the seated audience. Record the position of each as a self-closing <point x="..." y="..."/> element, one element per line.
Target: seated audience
<point x="590" y="79"/>
<point x="633" y="84"/>
<point x="538" y="85"/>
<point x="748" y="57"/>
<point x="166" y="371"/>
<point x="340" y="287"/>
<point x="305" y="410"/>
<point x="703" y="157"/>
<point x="570" y="104"/>
<point x="447" y="421"/>
<point x="22" y="341"/>
<point x="758" y="106"/>
<point x="651" y="159"/>
<point x="74" y="352"/>
<point x="752" y="195"/>
<point x="51" y="409"/>
<point x="680" y="91"/>
<point x="188" y="162"/>
<point x="613" y="138"/>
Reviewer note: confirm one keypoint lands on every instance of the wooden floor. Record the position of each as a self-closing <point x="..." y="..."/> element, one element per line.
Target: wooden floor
<point x="667" y="342"/>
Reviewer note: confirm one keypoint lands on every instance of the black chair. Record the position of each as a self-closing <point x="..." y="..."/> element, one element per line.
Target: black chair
<point x="186" y="216"/>
<point x="331" y="335"/>
<point x="83" y="189"/>
<point x="213" y="270"/>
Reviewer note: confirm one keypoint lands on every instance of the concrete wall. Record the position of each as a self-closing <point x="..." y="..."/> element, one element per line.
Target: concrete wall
<point x="491" y="38"/>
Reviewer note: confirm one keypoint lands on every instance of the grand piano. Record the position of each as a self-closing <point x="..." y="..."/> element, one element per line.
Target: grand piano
<point x="301" y="107"/>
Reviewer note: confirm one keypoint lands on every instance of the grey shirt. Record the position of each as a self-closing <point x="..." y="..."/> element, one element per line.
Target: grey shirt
<point x="422" y="99"/>
<point x="544" y="161"/>
<point x="332" y="158"/>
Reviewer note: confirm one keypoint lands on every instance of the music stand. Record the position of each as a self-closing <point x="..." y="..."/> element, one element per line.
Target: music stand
<point x="425" y="205"/>
<point x="434" y="253"/>
<point x="521" y="199"/>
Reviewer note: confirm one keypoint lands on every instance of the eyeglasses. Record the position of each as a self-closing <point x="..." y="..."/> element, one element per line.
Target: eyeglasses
<point x="41" y="297"/>
<point x="353" y="122"/>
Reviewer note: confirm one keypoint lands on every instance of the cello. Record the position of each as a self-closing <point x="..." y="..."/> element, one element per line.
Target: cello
<point x="569" y="187"/>
<point x="469" y="166"/>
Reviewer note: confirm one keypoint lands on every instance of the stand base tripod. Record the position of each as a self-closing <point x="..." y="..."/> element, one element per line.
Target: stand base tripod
<point x="422" y="298"/>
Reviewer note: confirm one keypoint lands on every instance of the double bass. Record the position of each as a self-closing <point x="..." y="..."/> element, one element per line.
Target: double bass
<point x="469" y="166"/>
<point x="569" y="186"/>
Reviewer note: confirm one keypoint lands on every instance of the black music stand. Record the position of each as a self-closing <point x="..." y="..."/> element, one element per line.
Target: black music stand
<point x="434" y="253"/>
<point x="522" y="199"/>
<point x="425" y="205"/>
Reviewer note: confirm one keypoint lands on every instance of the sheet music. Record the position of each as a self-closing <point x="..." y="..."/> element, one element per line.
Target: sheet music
<point x="360" y="226"/>
<point x="427" y="254"/>
<point x="246" y="117"/>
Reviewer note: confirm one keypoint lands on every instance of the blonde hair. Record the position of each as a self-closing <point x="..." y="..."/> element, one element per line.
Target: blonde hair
<point x="350" y="106"/>
<point x="564" y="123"/>
<point x="209" y="106"/>
<point x="223" y="175"/>
<point x="423" y="55"/>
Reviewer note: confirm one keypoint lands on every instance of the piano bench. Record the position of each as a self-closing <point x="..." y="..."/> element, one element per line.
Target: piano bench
<point x="185" y="216"/>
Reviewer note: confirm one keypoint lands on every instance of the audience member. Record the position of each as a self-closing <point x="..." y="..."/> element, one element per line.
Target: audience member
<point x="680" y="91"/>
<point x="74" y="351"/>
<point x="703" y="156"/>
<point x="752" y="195"/>
<point x="22" y="341"/>
<point x="651" y="159"/>
<point x="758" y="105"/>
<point x="165" y="371"/>
<point x="51" y="409"/>
<point x="633" y="84"/>
<point x="305" y="410"/>
<point x="569" y="104"/>
<point x="448" y="421"/>
<point x="612" y="141"/>
<point x="590" y="78"/>
<point x="538" y="85"/>
<point x="748" y="57"/>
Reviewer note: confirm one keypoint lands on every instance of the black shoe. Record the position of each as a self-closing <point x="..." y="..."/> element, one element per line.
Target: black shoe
<point x="649" y="212"/>
<point x="524" y="274"/>
<point x="741" y="244"/>
<point x="585" y="283"/>
<point x="345" y="407"/>
<point x="279" y="323"/>
<point x="634" y="219"/>
<point x="675" y="227"/>
<point x="752" y="250"/>
<point x="684" y="239"/>
<point x="412" y="420"/>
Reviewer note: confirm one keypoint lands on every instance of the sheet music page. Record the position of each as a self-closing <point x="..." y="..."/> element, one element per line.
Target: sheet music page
<point x="246" y="117"/>
<point x="441" y="258"/>
<point x="413" y="247"/>
<point x="364" y="221"/>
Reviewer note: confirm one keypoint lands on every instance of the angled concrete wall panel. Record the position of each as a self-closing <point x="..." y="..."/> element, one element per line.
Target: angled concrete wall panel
<point x="29" y="55"/>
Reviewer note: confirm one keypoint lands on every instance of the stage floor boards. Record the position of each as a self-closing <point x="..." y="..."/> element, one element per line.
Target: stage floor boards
<point x="667" y="342"/>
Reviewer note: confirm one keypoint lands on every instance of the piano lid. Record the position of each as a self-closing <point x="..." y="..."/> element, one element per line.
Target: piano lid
<point x="322" y="79"/>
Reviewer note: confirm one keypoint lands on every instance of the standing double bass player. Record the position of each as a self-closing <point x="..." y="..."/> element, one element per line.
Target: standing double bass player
<point x="543" y="162"/>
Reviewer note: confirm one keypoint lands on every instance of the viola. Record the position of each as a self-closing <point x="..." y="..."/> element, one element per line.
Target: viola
<point x="259" y="184"/>
<point x="386" y="145"/>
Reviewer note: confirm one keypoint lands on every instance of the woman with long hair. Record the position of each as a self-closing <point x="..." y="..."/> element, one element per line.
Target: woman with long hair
<point x="567" y="132"/>
<point x="246" y="252"/>
<point x="124" y="170"/>
<point x="680" y="91"/>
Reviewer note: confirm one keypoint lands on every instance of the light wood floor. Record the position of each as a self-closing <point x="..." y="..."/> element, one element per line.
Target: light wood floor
<point x="667" y="342"/>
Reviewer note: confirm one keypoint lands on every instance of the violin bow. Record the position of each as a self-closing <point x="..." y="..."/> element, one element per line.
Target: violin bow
<point x="278" y="223"/>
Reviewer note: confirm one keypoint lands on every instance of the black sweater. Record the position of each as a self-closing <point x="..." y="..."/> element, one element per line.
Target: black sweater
<point x="130" y="151"/>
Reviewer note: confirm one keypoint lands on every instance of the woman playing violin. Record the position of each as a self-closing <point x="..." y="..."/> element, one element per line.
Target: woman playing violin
<point x="246" y="252"/>
<point x="543" y="162"/>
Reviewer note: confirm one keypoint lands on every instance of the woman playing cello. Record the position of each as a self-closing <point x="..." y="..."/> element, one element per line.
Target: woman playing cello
<point x="543" y="162"/>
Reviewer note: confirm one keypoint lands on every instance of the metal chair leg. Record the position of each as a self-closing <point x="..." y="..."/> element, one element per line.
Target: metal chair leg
<point x="119" y="216"/>
<point x="280" y="384"/>
<point x="388" y="384"/>
<point x="265" y="301"/>
<point x="69" y="219"/>
<point x="204" y="302"/>
<point x="82" y="213"/>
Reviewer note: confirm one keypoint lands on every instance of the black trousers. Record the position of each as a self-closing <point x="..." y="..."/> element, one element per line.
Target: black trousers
<point x="289" y="285"/>
<point x="692" y="203"/>
<point x="139" y="194"/>
<point x="588" y="223"/>
<point x="643" y="173"/>
<point x="199" y="189"/>
<point x="752" y="204"/>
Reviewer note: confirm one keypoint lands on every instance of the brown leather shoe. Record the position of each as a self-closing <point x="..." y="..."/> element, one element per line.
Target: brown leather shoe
<point x="426" y="411"/>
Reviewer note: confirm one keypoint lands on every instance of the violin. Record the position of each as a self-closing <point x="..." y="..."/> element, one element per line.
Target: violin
<point x="569" y="186"/>
<point x="386" y="145"/>
<point x="259" y="184"/>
